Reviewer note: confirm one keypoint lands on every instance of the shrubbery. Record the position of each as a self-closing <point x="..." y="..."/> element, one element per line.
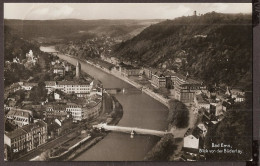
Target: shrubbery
<point x="178" y="114"/>
<point x="163" y="150"/>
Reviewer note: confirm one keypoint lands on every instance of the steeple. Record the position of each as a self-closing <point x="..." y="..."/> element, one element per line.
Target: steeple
<point x="78" y="69"/>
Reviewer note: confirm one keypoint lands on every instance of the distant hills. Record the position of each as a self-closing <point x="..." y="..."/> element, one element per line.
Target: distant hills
<point x="214" y="47"/>
<point x="70" y="29"/>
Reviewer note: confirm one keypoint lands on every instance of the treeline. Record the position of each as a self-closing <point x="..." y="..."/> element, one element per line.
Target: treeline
<point x="14" y="46"/>
<point x="163" y="150"/>
<point x="234" y="130"/>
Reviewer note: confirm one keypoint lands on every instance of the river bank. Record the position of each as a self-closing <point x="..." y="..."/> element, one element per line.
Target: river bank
<point x="140" y="110"/>
<point x="144" y="89"/>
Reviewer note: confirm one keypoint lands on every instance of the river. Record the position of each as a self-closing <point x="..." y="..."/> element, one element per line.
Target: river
<point x="140" y="110"/>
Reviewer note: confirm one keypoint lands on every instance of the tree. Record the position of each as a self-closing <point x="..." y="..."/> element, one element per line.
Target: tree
<point x="178" y="114"/>
<point x="235" y="130"/>
<point x="163" y="150"/>
<point x="38" y="93"/>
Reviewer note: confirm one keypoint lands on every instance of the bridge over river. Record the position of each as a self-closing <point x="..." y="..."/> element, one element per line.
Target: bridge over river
<point x="130" y="90"/>
<point x="131" y="130"/>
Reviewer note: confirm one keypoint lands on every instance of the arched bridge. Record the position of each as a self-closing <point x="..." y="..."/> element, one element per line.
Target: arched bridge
<point x="130" y="130"/>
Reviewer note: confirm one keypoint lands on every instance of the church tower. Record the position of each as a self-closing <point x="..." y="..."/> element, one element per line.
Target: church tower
<point x="78" y="69"/>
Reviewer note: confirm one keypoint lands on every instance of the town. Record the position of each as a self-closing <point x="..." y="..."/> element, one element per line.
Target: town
<point x="170" y="89"/>
<point x="62" y="107"/>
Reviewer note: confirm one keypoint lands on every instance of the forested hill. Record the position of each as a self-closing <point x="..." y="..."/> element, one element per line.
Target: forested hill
<point x="15" y="46"/>
<point x="214" y="47"/>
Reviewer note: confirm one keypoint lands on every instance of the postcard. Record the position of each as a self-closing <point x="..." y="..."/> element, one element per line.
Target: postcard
<point x="128" y="81"/>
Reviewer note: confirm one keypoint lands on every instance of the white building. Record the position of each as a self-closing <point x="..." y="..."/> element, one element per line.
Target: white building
<point x="203" y="128"/>
<point x="70" y="87"/>
<point x="191" y="141"/>
<point x="57" y="96"/>
<point x="28" y="86"/>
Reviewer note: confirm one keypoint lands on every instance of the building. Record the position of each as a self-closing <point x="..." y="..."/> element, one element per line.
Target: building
<point x="115" y="60"/>
<point x="69" y="87"/>
<point x="57" y="111"/>
<point x="67" y="67"/>
<point x="200" y="102"/>
<point x="192" y="139"/>
<point x="56" y="96"/>
<point x="78" y="112"/>
<point x="78" y="69"/>
<point x="184" y="88"/>
<point x="28" y="85"/>
<point x="31" y="58"/>
<point x="195" y="13"/>
<point x="148" y="72"/>
<point x="60" y="70"/>
<point x="20" y="117"/>
<point x="158" y="79"/>
<point x="16" y="60"/>
<point x="226" y="105"/>
<point x="26" y="138"/>
<point x="203" y="128"/>
<point x="128" y="70"/>
<point x="81" y="89"/>
<point x="13" y="88"/>
<point x="237" y="94"/>
<point x="50" y="86"/>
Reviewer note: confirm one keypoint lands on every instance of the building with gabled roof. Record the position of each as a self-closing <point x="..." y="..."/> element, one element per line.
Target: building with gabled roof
<point x="20" y="117"/>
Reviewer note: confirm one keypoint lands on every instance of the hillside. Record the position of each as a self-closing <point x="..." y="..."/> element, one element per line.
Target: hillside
<point x="216" y="48"/>
<point x="15" y="46"/>
<point x="47" y="31"/>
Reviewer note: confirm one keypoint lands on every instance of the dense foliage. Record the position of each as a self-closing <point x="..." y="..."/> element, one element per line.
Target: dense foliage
<point x="38" y="93"/>
<point x="178" y="114"/>
<point x="163" y="150"/>
<point x="234" y="130"/>
<point x="15" y="46"/>
<point x="214" y="47"/>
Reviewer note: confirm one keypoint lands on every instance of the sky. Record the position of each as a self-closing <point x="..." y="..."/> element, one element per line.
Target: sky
<point x="92" y="11"/>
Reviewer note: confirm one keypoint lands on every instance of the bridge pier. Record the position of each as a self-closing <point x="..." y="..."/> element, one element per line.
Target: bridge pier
<point x="132" y="134"/>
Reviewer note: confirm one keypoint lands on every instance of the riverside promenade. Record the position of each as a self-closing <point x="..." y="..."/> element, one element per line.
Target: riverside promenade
<point x="146" y="90"/>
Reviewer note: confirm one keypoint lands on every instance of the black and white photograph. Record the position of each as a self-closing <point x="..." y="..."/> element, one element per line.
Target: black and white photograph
<point x="128" y="82"/>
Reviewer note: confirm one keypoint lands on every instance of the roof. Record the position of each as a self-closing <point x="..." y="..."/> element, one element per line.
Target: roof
<point x="181" y="76"/>
<point x="197" y="132"/>
<point x="25" y="129"/>
<point x="159" y="73"/>
<point x="30" y="127"/>
<point x="50" y="83"/>
<point x="19" y="112"/>
<point x="201" y="100"/>
<point x="58" y="67"/>
<point x="16" y="133"/>
<point x="126" y="66"/>
<point x="76" y="82"/>
<point x="30" y="84"/>
<point x="226" y="104"/>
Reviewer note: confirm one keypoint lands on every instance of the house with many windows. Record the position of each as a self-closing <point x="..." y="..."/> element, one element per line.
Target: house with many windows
<point x="26" y="138"/>
<point x="20" y="117"/>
